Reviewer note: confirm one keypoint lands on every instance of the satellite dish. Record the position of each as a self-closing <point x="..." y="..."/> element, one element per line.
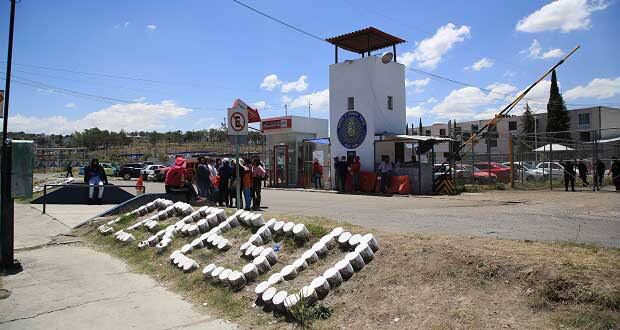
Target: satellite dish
<point x="387" y="57"/>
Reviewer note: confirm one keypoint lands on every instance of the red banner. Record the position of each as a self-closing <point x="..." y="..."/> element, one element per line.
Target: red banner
<point x="253" y="115"/>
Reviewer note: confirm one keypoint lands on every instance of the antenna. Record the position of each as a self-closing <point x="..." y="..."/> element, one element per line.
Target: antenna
<point x="387" y="57"/>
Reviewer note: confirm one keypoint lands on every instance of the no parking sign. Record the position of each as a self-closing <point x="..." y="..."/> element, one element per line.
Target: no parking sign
<point x="237" y="125"/>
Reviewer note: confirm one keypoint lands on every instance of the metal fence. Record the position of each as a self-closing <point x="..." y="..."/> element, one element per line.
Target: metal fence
<point x="535" y="161"/>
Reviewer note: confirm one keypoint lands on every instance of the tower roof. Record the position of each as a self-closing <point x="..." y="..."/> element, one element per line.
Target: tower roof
<point x="365" y="40"/>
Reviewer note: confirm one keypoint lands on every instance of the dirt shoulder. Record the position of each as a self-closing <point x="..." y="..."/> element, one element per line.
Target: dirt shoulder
<point x="415" y="281"/>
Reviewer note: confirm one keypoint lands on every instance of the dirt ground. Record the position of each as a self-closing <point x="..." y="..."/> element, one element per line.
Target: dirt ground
<point x="416" y="281"/>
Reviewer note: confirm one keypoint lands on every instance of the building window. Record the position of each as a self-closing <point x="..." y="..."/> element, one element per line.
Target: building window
<point x="350" y="103"/>
<point x="584" y="136"/>
<point x="442" y="132"/>
<point x="474" y="128"/>
<point x="428" y="132"/>
<point x="390" y="103"/>
<point x="584" y="119"/>
<point x="512" y="125"/>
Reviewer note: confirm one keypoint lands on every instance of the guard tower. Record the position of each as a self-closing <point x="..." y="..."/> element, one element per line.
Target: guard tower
<point x="366" y="95"/>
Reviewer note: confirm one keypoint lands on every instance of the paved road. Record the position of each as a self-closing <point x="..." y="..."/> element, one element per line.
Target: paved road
<point x="535" y="215"/>
<point x="72" y="286"/>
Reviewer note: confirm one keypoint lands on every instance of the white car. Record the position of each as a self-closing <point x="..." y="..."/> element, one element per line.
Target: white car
<point x="556" y="169"/>
<point x="148" y="172"/>
<point x="529" y="174"/>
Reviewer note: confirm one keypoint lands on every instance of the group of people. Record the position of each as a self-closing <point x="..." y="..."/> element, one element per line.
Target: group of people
<point x="599" y="173"/>
<point x="217" y="181"/>
<point x="344" y="167"/>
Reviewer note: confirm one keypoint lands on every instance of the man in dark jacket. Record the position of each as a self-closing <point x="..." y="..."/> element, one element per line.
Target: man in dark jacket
<point x="583" y="173"/>
<point x="341" y="172"/>
<point x="569" y="175"/>
<point x="225" y="173"/>
<point x="615" y="172"/>
<point x="600" y="172"/>
<point x="202" y="178"/>
<point x="94" y="176"/>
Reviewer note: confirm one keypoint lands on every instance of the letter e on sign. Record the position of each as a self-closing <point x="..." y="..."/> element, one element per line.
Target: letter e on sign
<point x="237" y="121"/>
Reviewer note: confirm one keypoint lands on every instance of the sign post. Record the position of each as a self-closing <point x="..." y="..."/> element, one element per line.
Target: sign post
<point x="238" y="134"/>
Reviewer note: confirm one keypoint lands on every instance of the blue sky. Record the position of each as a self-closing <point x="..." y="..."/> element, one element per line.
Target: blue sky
<point x="198" y="56"/>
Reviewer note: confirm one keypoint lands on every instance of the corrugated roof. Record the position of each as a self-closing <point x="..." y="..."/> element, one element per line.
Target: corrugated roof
<point x="365" y="40"/>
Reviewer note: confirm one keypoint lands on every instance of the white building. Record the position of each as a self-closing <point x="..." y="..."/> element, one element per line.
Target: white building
<point x="366" y="96"/>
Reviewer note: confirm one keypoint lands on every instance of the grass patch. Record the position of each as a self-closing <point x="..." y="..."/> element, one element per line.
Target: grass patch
<point x="305" y="313"/>
<point x="590" y="319"/>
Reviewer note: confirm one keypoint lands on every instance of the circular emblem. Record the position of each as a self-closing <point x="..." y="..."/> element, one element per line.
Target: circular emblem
<point x="237" y="121"/>
<point x="351" y="129"/>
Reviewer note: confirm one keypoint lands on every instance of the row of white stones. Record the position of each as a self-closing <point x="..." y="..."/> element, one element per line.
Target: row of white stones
<point x="364" y="248"/>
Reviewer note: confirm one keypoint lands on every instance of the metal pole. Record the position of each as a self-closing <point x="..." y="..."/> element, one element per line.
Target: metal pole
<point x="7" y="257"/>
<point x="489" y="159"/>
<point x="44" y="197"/>
<point x="237" y="170"/>
<point x="512" y="162"/>
<point x="550" y="165"/>
<point x="535" y="140"/>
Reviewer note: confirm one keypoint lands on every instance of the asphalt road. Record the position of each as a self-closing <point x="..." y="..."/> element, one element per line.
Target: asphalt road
<point x="533" y="215"/>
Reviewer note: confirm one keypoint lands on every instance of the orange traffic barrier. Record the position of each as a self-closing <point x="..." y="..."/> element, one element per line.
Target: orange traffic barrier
<point x="401" y="185"/>
<point x="140" y="185"/>
<point x="367" y="181"/>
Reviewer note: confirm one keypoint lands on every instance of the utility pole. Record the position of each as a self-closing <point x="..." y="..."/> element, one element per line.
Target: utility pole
<point x="309" y="104"/>
<point x="286" y="110"/>
<point x="7" y="221"/>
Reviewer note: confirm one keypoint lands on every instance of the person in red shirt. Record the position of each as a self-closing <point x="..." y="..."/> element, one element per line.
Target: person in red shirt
<point x="317" y="173"/>
<point x="258" y="174"/>
<point x="355" y="172"/>
<point x="175" y="178"/>
<point x="245" y="171"/>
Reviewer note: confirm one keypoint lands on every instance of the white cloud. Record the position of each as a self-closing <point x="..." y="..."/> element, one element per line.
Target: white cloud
<point x="553" y="53"/>
<point x="140" y="99"/>
<point x="598" y="88"/>
<point x="130" y="117"/>
<point x="121" y="26"/>
<point x="286" y="99"/>
<point x="483" y="63"/>
<point x="270" y="82"/>
<point x="415" y="112"/>
<point x="151" y="27"/>
<point x="470" y="102"/>
<point x="70" y="105"/>
<point x="319" y="101"/>
<point x="430" y="51"/>
<point x="418" y="84"/>
<point x="536" y="51"/>
<point x="563" y="15"/>
<point x="299" y="85"/>
<point x="261" y="105"/>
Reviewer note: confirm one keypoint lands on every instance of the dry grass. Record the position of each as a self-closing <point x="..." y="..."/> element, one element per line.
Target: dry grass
<point x="418" y="281"/>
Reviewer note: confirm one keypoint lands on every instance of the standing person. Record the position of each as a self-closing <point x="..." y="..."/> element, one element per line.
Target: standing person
<point x="213" y="185"/>
<point x="342" y="170"/>
<point x="225" y="172"/>
<point x="599" y="173"/>
<point x="94" y="175"/>
<point x="176" y="178"/>
<point x="583" y="173"/>
<point x="245" y="171"/>
<point x="202" y="177"/>
<point x="232" y="184"/>
<point x="569" y="175"/>
<point x="258" y="172"/>
<point x="336" y="179"/>
<point x="356" y="167"/>
<point x="615" y="172"/>
<point x="69" y="170"/>
<point x="317" y="173"/>
<point x="385" y="171"/>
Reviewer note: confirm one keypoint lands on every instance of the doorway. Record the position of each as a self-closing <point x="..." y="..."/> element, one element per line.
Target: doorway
<point x="280" y="162"/>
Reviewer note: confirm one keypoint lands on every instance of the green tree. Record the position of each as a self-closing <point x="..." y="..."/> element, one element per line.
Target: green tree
<point x="528" y="122"/>
<point x="557" y="114"/>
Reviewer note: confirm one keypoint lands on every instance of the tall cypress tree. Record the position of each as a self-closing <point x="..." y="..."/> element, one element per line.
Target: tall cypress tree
<point x="528" y="122"/>
<point x="557" y="114"/>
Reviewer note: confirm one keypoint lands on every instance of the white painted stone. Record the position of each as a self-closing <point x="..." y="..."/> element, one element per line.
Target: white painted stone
<point x="371" y="241"/>
<point x="187" y="248"/>
<point x="308" y="294"/>
<point x="270" y="223"/>
<point x="203" y="226"/>
<point x="333" y="277"/>
<point x="262" y="264"/>
<point x="256" y="240"/>
<point x="278" y="227"/>
<point x="224" y="245"/>
<point x="356" y="260"/>
<point x="220" y="214"/>
<point x="365" y="251"/>
<point x="206" y="272"/>
<point x="278" y="300"/>
<point x="257" y="251"/>
<point x="250" y="272"/>
<point x="215" y="274"/>
<point x="188" y="219"/>
<point x="288" y="228"/>
<point x="237" y="280"/>
<point x="261" y="288"/>
<point x="244" y="247"/>
<point x="301" y="232"/>
<point x="197" y="244"/>
<point x="248" y="251"/>
<point x="310" y="257"/>
<point x="223" y="277"/>
<point x="193" y="230"/>
<point x="320" y="249"/>
<point x="143" y="245"/>
<point x="265" y="233"/>
<point x="320" y="286"/>
<point x="224" y="226"/>
<point x="274" y="279"/>
<point x="345" y="269"/>
<point x="270" y="255"/>
<point x="212" y="220"/>
<point x="291" y="301"/>
<point x="355" y="240"/>
<point x="257" y="220"/>
<point x="289" y="272"/>
<point x="343" y="240"/>
<point x="336" y="232"/>
<point x="268" y="295"/>
<point x="233" y="221"/>
<point x="300" y="264"/>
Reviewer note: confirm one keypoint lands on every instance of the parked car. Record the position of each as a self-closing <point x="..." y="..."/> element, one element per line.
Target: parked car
<point x="467" y="173"/>
<point x="501" y="171"/>
<point x="529" y="174"/>
<point x="149" y="170"/>
<point x="108" y="168"/>
<point x="130" y="170"/>
<point x="556" y="169"/>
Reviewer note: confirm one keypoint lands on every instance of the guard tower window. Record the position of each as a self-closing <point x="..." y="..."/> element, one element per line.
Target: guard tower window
<point x="390" y="103"/>
<point x="428" y="132"/>
<point x="442" y="132"/>
<point x="512" y="125"/>
<point x="474" y="128"/>
<point x="350" y="103"/>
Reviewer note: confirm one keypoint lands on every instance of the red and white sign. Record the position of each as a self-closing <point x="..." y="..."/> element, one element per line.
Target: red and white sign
<point x="276" y="123"/>
<point x="237" y="121"/>
<point x="253" y="115"/>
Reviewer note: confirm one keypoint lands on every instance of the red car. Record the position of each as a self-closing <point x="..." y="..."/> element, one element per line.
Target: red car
<point x="501" y="171"/>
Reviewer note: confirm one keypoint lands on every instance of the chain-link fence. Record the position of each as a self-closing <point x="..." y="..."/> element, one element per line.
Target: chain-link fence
<point x="543" y="161"/>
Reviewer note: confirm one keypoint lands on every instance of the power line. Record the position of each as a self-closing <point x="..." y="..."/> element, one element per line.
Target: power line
<point x="278" y="20"/>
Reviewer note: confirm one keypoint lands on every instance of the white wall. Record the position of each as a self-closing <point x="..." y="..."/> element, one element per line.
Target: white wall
<point x="369" y="81"/>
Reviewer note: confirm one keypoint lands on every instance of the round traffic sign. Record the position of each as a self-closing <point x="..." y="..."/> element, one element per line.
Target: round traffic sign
<point x="237" y="121"/>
